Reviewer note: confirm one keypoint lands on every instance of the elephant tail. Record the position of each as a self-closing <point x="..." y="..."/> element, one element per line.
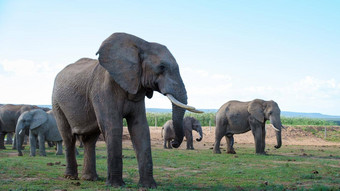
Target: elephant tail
<point x="162" y="132"/>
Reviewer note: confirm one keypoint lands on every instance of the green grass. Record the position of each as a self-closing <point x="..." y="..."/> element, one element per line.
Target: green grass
<point x="287" y="168"/>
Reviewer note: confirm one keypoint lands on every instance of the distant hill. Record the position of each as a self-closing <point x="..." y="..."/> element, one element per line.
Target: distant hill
<point x="308" y="115"/>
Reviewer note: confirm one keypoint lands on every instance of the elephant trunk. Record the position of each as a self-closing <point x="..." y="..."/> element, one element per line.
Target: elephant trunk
<point x="276" y="123"/>
<point x="201" y="135"/>
<point x="20" y="134"/>
<point x="279" y="140"/>
<point x="178" y="113"/>
<point x="177" y="118"/>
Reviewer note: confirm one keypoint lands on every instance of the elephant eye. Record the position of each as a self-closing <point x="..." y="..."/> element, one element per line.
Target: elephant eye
<point x="161" y="68"/>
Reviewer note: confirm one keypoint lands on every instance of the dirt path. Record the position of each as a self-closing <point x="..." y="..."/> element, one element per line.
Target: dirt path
<point x="290" y="136"/>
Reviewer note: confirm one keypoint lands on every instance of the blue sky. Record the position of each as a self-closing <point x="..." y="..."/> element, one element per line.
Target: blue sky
<point x="287" y="51"/>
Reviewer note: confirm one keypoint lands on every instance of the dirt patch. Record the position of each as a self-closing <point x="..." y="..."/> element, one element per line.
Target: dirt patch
<point x="290" y="136"/>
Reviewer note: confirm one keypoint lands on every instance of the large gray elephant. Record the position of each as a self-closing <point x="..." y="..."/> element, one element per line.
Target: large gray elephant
<point x="42" y="126"/>
<point x="235" y="117"/>
<point x="189" y="124"/>
<point x="93" y="96"/>
<point x="9" y="115"/>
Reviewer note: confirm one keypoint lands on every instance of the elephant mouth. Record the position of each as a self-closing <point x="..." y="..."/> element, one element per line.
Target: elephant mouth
<point x="182" y="105"/>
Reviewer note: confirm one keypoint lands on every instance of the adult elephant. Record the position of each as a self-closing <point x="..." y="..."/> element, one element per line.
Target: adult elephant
<point x="93" y="96"/>
<point x="235" y="117"/>
<point x="9" y="115"/>
<point x="189" y="124"/>
<point x="42" y="126"/>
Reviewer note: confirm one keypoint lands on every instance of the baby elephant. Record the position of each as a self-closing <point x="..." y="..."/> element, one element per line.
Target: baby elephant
<point x="42" y="125"/>
<point x="189" y="124"/>
<point x="235" y="117"/>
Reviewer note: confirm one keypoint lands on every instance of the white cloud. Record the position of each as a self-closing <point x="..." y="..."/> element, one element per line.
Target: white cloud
<point x="27" y="81"/>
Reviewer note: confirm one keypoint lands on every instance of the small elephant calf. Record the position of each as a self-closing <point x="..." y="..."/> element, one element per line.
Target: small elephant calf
<point x="189" y="124"/>
<point x="42" y="126"/>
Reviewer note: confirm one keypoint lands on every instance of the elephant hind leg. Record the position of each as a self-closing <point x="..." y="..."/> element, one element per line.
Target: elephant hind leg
<point x="230" y="143"/>
<point x="69" y="141"/>
<point x="89" y="170"/>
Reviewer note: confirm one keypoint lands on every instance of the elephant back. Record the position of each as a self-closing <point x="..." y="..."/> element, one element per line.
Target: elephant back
<point x="53" y="133"/>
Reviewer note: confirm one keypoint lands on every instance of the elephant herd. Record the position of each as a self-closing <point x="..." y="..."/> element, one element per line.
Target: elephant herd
<point x="92" y="97"/>
<point x="37" y="123"/>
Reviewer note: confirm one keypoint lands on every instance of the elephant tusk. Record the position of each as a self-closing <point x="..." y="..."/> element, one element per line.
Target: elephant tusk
<point x="20" y="132"/>
<point x="275" y="128"/>
<point x="182" y="105"/>
<point x="283" y="127"/>
<point x="196" y="111"/>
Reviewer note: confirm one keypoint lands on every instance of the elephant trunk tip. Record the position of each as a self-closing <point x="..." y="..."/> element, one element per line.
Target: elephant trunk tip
<point x="277" y="146"/>
<point x="199" y="139"/>
<point x="175" y="144"/>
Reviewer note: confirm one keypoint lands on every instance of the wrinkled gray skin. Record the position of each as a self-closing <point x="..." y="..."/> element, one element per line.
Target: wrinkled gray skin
<point x="235" y="117"/>
<point x="42" y="126"/>
<point x="9" y="115"/>
<point x="93" y="96"/>
<point x="189" y="124"/>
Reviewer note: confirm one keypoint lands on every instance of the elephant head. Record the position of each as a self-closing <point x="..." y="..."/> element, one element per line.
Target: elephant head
<point x="138" y="66"/>
<point x="267" y="110"/>
<point x="196" y="125"/>
<point x="29" y="119"/>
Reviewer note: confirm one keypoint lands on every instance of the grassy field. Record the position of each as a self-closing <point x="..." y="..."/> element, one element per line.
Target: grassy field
<point x="290" y="168"/>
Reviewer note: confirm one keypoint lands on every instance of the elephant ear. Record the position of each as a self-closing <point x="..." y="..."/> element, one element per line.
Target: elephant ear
<point x="188" y="123"/>
<point x="255" y="108"/>
<point x="39" y="118"/>
<point x="120" y="56"/>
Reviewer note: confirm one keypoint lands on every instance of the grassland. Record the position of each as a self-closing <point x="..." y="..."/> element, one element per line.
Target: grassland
<point x="289" y="168"/>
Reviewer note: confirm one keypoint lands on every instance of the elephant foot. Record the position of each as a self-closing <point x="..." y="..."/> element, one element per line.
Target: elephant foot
<point x="59" y="153"/>
<point x="115" y="182"/>
<point x="261" y="153"/>
<point x="231" y="152"/>
<point x="71" y="177"/>
<point x="216" y="151"/>
<point x="147" y="183"/>
<point x="20" y="154"/>
<point x="89" y="177"/>
<point x="190" y="149"/>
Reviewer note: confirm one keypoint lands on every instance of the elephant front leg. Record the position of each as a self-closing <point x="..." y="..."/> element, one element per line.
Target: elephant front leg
<point x="258" y="133"/>
<point x="140" y="136"/>
<point x="42" y="150"/>
<point x="189" y="138"/>
<point x="230" y="144"/>
<point x="89" y="170"/>
<point x="113" y="138"/>
<point x="33" y="144"/>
